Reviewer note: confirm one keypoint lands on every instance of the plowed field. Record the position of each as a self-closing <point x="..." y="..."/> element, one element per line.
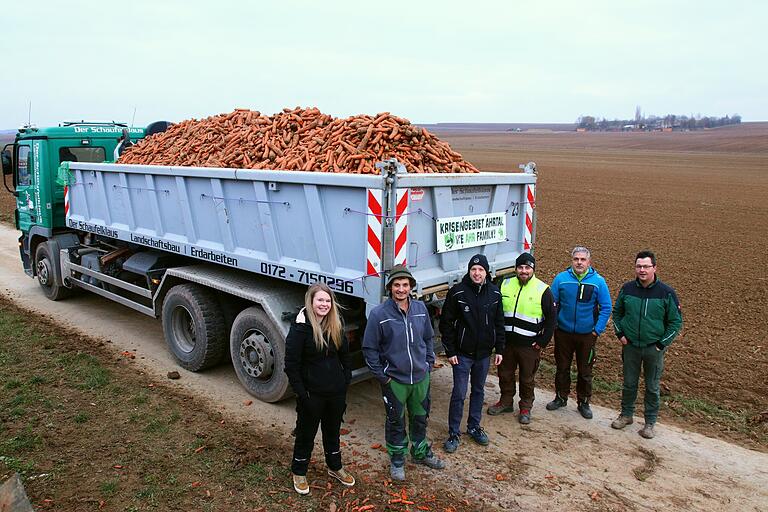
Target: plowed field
<point x="699" y="201"/>
<point x="198" y="442"/>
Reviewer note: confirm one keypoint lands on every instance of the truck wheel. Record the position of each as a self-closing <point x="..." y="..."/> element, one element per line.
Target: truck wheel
<point x="194" y="327"/>
<point x="47" y="274"/>
<point x="258" y="354"/>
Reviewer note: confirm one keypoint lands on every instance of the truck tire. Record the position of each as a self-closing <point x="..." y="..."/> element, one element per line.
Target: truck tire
<point x="194" y="327"/>
<point x="48" y="275"/>
<point x="258" y="353"/>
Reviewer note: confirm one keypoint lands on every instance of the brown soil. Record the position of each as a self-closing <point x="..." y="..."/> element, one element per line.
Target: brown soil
<point x="87" y="431"/>
<point x="701" y="211"/>
<point x="7" y="206"/>
<point x="704" y="214"/>
<point x="698" y="200"/>
<point x="153" y="427"/>
<point x="744" y="138"/>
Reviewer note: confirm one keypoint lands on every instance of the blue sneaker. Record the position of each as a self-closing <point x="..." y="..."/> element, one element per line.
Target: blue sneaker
<point x="452" y="444"/>
<point x="478" y="435"/>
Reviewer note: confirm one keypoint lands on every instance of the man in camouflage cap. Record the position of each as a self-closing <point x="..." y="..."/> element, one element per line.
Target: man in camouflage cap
<point x="399" y="349"/>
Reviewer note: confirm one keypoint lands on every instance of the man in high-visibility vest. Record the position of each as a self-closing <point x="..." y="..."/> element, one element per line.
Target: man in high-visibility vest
<point x="529" y="322"/>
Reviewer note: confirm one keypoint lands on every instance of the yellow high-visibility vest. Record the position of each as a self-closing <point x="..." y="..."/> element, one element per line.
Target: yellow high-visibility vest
<point x="522" y="305"/>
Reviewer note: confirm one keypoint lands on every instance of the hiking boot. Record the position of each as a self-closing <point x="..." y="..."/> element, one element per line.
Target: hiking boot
<point x="342" y="476"/>
<point x="557" y="403"/>
<point x="431" y="461"/>
<point x="525" y="416"/>
<point x="647" y="431"/>
<point x="585" y="410"/>
<point x="397" y="471"/>
<point x="499" y="408"/>
<point x="452" y="443"/>
<point x="478" y="435"/>
<point x="621" y="422"/>
<point x="300" y="484"/>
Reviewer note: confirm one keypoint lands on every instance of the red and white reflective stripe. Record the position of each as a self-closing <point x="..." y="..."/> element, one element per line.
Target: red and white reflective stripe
<point x="66" y="200"/>
<point x="530" y="204"/>
<point x="373" y="266"/>
<point x="401" y="227"/>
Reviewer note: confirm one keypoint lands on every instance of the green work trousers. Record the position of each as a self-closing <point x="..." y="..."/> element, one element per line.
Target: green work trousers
<point x="652" y="361"/>
<point x="415" y="398"/>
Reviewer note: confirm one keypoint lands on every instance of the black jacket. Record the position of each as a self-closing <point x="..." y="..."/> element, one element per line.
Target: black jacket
<point x="310" y="371"/>
<point x="472" y="320"/>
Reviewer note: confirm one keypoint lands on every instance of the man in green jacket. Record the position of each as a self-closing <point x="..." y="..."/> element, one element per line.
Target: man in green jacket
<point x="647" y="318"/>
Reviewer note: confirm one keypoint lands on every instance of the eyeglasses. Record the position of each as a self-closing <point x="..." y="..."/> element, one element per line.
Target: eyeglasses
<point x="644" y="267"/>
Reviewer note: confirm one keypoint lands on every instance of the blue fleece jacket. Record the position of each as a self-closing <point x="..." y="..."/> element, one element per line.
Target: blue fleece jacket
<point x="582" y="306"/>
<point x="399" y="345"/>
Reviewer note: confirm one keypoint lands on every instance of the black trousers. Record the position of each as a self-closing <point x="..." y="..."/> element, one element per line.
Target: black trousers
<point x="327" y="413"/>
<point x="566" y="345"/>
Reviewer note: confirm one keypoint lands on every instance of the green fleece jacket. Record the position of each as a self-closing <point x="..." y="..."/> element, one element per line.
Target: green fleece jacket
<point x="647" y="316"/>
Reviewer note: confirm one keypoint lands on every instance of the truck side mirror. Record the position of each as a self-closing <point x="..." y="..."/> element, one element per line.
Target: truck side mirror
<point x="7" y="163"/>
<point x="5" y="156"/>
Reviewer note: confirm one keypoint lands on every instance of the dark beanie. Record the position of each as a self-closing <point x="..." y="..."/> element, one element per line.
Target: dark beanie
<point x="526" y="258"/>
<point x="478" y="259"/>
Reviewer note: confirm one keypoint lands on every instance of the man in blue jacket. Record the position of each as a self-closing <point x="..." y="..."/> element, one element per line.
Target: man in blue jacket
<point x="398" y="347"/>
<point x="583" y="309"/>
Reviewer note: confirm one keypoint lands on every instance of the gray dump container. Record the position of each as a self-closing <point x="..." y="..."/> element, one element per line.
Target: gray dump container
<point x="342" y="229"/>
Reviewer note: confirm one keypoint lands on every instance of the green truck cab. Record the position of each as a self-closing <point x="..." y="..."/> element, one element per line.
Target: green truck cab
<point x="33" y="160"/>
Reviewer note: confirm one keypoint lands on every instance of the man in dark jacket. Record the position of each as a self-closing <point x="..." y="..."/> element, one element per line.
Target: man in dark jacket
<point x="472" y="326"/>
<point x="529" y="321"/>
<point x="583" y="309"/>
<point x="398" y="347"/>
<point x="647" y="318"/>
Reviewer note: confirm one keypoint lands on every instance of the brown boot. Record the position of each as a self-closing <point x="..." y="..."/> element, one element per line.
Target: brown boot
<point x="621" y="422"/>
<point x="343" y="476"/>
<point x="499" y="408"/>
<point x="647" y="431"/>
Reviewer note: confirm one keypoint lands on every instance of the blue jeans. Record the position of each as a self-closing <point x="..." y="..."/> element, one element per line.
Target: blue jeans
<point x="467" y="370"/>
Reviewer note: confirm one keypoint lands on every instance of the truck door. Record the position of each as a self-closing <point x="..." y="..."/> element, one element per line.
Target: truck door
<point x="25" y="200"/>
<point x="71" y="153"/>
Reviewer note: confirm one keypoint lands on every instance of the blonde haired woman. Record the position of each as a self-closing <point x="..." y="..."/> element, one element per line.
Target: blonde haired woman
<point x="318" y="368"/>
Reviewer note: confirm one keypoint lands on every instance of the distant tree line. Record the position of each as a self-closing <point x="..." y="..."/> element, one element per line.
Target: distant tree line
<point x="651" y="123"/>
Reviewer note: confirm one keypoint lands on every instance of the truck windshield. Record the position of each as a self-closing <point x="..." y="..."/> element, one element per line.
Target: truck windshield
<point x="82" y="154"/>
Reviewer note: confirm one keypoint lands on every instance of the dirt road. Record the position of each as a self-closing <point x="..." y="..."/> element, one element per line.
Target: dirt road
<point x="559" y="461"/>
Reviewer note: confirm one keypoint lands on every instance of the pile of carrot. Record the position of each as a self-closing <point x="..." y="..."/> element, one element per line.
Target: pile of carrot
<point x="298" y="140"/>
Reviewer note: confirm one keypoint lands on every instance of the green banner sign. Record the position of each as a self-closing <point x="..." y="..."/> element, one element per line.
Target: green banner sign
<point x="454" y="233"/>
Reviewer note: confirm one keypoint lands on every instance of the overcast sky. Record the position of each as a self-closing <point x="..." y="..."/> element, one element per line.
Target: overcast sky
<point x="428" y="61"/>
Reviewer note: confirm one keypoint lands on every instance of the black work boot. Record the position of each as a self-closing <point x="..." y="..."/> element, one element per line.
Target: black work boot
<point x="585" y="410"/>
<point x="557" y="403"/>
